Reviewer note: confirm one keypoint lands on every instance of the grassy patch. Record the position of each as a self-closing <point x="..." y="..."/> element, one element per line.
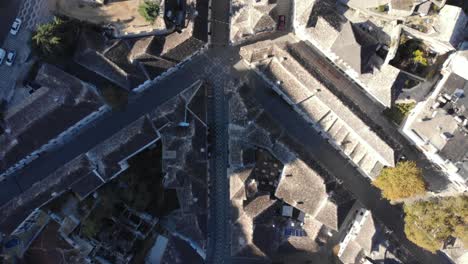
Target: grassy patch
<point x="399" y="112"/>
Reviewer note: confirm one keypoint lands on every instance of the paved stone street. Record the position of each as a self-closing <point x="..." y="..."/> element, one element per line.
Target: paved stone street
<point x="32" y="13"/>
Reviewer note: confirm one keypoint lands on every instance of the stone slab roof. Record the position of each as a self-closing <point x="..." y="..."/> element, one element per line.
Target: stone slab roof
<point x="173" y="47"/>
<point x="61" y="102"/>
<point x="405" y="5"/>
<point x="258" y="205"/>
<point x="354" y="47"/>
<point x="121" y="145"/>
<point x="301" y="187"/>
<point x="49" y="247"/>
<point x="382" y="83"/>
<point x="324" y="33"/>
<point x="294" y="89"/>
<point x="86" y="184"/>
<point x="364" y="4"/>
<point x="322" y="106"/>
<point x="328" y="215"/>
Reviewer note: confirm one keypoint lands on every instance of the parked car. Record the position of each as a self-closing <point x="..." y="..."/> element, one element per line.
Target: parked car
<point x="2" y="55"/>
<point x="10" y="58"/>
<point x="281" y="22"/>
<point x="15" y="27"/>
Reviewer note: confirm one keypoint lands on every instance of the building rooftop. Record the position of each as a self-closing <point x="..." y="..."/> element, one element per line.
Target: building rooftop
<point x="405" y="5"/>
<point x="251" y="17"/>
<point x="383" y="83"/>
<point x="318" y="103"/>
<point x="301" y="187"/>
<point x="178" y="251"/>
<point x="62" y="101"/>
<point x="258" y="205"/>
<point x="328" y="215"/>
<point x="442" y="123"/>
<point x="49" y="247"/>
<point x="173" y="47"/>
<point x="452" y="24"/>
<point x="110" y="153"/>
<point x="75" y="175"/>
<point x="354" y="47"/>
<point x="365" y="4"/>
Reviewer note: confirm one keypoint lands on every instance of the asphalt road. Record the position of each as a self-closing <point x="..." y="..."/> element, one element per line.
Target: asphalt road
<point x="8" y="11"/>
<point x="320" y="150"/>
<point x="356" y="98"/>
<point x="219" y="21"/>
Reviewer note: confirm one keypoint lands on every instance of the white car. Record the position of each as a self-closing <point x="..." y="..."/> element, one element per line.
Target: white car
<point x="2" y="55"/>
<point x="15" y="27"/>
<point x="10" y="58"/>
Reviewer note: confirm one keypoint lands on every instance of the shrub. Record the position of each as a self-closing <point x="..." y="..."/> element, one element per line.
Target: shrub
<point x="55" y="39"/>
<point x="149" y="10"/>
<point x="418" y="57"/>
<point x="399" y="112"/>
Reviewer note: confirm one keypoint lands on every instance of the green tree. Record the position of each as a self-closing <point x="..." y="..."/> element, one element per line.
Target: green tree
<point x="55" y="40"/>
<point x="399" y="112"/>
<point x="403" y="181"/>
<point x="149" y="10"/>
<point x="418" y="57"/>
<point x="430" y="223"/>
<point x="45" y="38"/>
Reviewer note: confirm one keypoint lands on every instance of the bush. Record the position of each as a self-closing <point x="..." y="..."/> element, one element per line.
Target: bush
<point x="55" y="39"/>
<point x="382" y="8"/>
<point x="149" y="10"/>
<point x="399" y="112"/>
<point x="430" y="223"/>
<point x="418" y="57"/>
<point x="403" y="181"/>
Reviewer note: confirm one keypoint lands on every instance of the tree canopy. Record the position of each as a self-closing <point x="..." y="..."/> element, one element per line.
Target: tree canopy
<point x="403" y="181"/>
<point x="149" y="10"/>
<point x="54" y="39"/>
<point x="430" y="223"/>
<point x="418" y="57"/>
<point x="399" y="112"/>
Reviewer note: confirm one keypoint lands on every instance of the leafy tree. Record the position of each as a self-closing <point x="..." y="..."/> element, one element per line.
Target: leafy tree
<point x="403" y="181"/>
<point x="45" y="37"/>
<point x="399" y="112"/>
<point x="418" y="57"/>
<point x="430" y="223"/>
<point x="149" y="10"/>
<point x="55" y="39"/>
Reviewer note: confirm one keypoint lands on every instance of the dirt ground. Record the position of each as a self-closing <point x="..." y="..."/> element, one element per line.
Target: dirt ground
<point x="122" y="14"/>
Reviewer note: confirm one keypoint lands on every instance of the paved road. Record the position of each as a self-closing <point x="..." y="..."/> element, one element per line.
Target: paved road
<point x="219" y="237"/>
<point x="319" y="149"/>
<point x="8" y="11"/>
<point x="356" y="97"/>
<point x="219" y="22"/>
<point x="32" y="13"/>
